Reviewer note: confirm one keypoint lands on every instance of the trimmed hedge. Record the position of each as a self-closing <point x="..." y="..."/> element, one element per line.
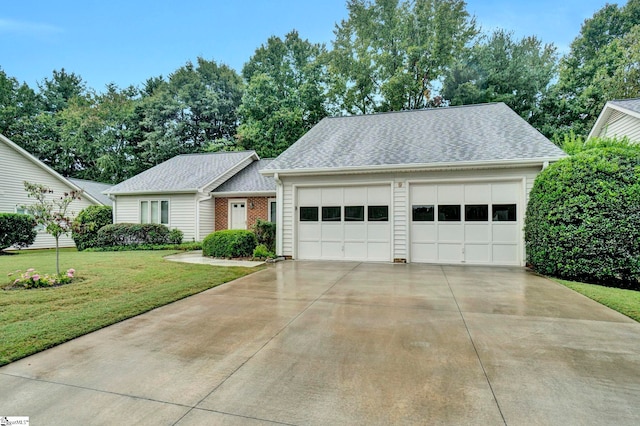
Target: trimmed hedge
<point x="131" y="234"/>
<point x="583" y="218"/>
<point x="17" y="230"/>
<point x="87" y="224"/>
<point x="229" y="243"/>
<point x="266" y="234"/>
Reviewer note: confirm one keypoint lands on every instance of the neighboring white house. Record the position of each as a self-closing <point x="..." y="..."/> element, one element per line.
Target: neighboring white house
<point x="181" y="193"/>
<point x="18" y="166"/>
<point x="618" y="119"/>
<point x="446" y="185"/>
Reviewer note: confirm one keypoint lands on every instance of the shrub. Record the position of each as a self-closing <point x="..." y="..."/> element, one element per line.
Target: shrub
<point x="229" y="243"/>
<point x="17" y="230"/>
<point x="583" y="218"/>
<point x="32" y="279"/>
<point x="262" y="252"/>
<point x="87" y="224"/>
<point x="266" y="234"/>
<point x="175" y="236"/>
<point x="195" y="245"/>
<point x="131" y="234"/>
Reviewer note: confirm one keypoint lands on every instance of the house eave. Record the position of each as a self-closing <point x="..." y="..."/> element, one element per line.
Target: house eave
<point x="152" y="192"/>
<point x="228" y="194"/>
<point x="604" y="117"/>
<point x="457" y="165"/>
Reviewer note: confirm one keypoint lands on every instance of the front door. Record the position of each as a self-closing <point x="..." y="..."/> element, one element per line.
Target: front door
<point x="238" y="215"/>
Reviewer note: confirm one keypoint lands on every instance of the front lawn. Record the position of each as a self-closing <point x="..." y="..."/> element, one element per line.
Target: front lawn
<point x="111" y="287"/>
<point x="626" y="302"/>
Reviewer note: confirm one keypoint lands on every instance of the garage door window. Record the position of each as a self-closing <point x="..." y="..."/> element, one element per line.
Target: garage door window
<point x="422" y="213"/>
<point x="476" y="213"/>
<point x="331" y="214"/>
<point x="449" y="213"/>
<point x="504" y="212"/>
<point x="378" y="214"/>
<point x="354" y="213"/>
<point x="308" y="214"/>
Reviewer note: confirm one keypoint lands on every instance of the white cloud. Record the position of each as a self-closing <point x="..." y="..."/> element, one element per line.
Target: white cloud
<point x="10" y="26"/>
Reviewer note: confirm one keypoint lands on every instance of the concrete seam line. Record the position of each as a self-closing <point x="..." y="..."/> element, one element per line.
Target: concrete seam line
<point x="473" y="344"/>
<point x="268" y="341"/>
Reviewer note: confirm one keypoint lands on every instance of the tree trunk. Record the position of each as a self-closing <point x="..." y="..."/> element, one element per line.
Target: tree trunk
<point x="57" y="257"/>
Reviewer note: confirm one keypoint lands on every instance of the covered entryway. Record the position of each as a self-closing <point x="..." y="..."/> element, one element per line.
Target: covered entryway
<point x="344" y="223"/>
<point x="237" y="214"/>
<point x="477" y="223"/>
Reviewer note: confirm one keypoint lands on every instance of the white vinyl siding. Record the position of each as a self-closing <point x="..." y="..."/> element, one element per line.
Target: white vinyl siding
<point x="16" y="169"/>
<point x="206" y="221"/>
<point x="620" y="125"/>
<point x="182" y="211"/>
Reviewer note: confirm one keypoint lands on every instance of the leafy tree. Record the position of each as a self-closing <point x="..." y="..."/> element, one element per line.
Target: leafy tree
<point x="388" y="54"/>
<point x="51" y="212"/>
<point x="501" y="69"/>
<point x="600" y="60"/>
<point x="285" y="95"/>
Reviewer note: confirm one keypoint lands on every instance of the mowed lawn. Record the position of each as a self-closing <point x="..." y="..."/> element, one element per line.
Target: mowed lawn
<point x="626" y="302"/>
<point x="110" y="287"/>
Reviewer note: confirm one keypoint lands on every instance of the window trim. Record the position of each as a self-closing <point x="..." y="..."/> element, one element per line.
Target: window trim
<point x="275" y="213"/>
<point x="318" y="216"/>
<point x="387" y="219"/>
<point x="149" y="203"/>
<point x="334" y="208"/>
<point x="363" y="207"/>
<point x="39" y="227"/>
<point x="433" y="212"/>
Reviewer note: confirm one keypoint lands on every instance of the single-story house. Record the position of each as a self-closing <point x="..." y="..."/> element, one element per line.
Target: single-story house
<point x="445" y="185"/>
<point x="618" y="119"/>
<point x="197" y="193"/>
<point x="18" y="166"/>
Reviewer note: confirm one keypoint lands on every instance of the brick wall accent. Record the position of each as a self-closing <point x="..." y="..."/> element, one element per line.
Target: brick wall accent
<point x="260" y="210"/>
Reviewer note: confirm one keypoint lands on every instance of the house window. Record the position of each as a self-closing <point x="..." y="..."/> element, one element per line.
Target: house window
<point x="154" y="212"/>
<point x="272" y="210"/>
<point x="449" y="213"/>
<point x="308" y="214"/>
<point x="20" y="210"/>
<point x="476" y="213"/>
<point x="504" y="212"/>
<point x="331" y="214"/>
<point x="354" y="213"/>
<point x="378" y="214"/>
<point x="422" y="213"/>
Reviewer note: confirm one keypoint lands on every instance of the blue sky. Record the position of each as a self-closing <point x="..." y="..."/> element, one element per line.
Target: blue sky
<point x="128" y="41"/>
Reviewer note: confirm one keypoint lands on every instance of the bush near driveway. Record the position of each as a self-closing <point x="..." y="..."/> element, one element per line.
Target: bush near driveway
<point x="229" y="243"/>
<point x="583" y="218"/>
<point x="111" y="287"/>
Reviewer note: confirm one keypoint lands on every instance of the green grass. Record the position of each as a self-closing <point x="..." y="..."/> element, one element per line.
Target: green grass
<point x="627" y="302"/>
<point x="111" y="287"/>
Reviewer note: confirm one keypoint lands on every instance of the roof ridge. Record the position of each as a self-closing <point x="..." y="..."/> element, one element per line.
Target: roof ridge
<point x="247" y="151"/>
<point x="445" y="108"/>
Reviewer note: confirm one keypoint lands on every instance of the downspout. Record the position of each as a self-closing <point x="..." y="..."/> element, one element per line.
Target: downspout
<point x="279" y="214"/>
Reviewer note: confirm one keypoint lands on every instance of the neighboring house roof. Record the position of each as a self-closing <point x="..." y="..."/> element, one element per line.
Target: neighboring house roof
<point x="94" y="189"/>
<point x="43" y="166"/>
<point x="622" y="115"/>
<point x="249" y="180"/>
<point x="184" y="173"/>
<point x="423" y="138"/>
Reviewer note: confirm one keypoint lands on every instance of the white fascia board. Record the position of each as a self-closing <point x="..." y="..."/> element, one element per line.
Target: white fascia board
<point x="46" y="168"/>
<point x="156" y="192"/>
<point x="604" y="117"/>
<point x="416" y="167"/>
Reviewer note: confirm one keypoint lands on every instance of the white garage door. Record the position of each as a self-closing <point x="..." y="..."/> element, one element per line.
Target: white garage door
<point x="472" y="223"/>
<point x="344" y="223"/>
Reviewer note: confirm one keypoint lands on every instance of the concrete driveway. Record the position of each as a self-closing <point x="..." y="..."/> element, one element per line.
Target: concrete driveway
<point x="347" y="343"/>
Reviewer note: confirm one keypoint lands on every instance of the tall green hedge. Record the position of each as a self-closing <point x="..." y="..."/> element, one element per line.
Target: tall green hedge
<point x="132" y="234"/>
<point x="229" y="243"/>
<point x="583" y="218"/>
<point x="87" y="224"/>
<point x="17" y="230"/>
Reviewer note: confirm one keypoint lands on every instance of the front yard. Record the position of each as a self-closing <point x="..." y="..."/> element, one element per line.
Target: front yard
<point x="110" y="287"/>
<point x="626" y="302"/>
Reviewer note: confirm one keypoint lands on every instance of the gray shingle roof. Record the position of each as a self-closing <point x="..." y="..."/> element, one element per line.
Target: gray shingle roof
<point x="249" y="180"/>
<point x="476" y="133"/>
<point x="183" y="173"/>
<point x="94" y="189"/>
<point x="630" y="104"/>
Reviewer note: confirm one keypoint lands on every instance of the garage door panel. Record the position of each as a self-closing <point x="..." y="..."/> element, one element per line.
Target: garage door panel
<point x="308" y="196"/>
<point x="355" y="250"/>
<point x="378" y="195"/>
<point x="477" y="253"/>
<point x="448" y="252"/>
<point x="330" y="197"/>
<point x="505" y="233"/>
<point x="331" y="232"/>
<point x="479" y="233"/>
<point x="378" y="232"/>
<point x="355" y="232"/>
<point x="309" y="250"/>
<point x="448" y="232"/>
<point x="423" y="232"/>
<point x="423" y="194"/>
<point x="424" y="252"/>
<point x="503" y="193"/>
<point x="308" y="232"/>
<point x="450" y="194"/>
<point x="477" y="193"/>
<point x="331" y="249"/>
<point x="378" y="251"/>
<point x="505" y="253"/>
